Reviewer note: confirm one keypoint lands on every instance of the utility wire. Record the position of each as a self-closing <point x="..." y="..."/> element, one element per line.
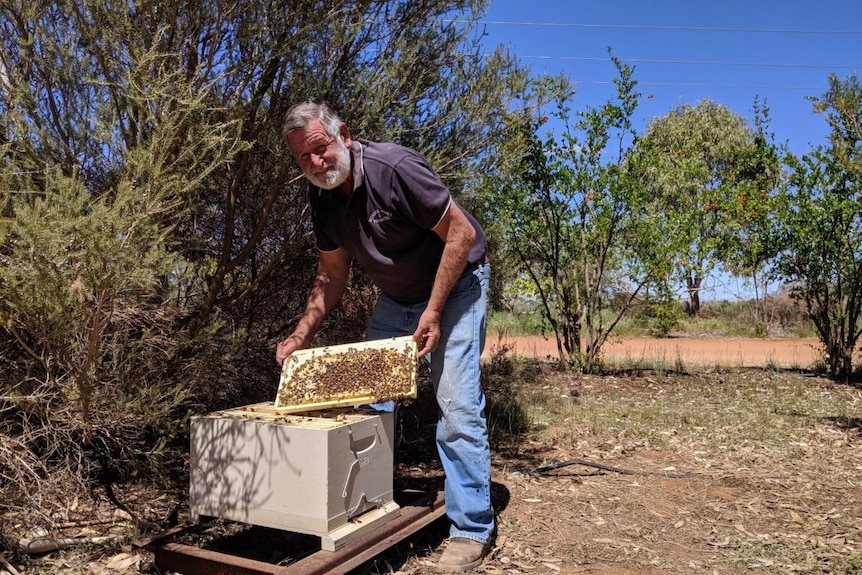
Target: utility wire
<point x="689" y="62"/>
<point x="701" y="85"/>
<point x="700" y="63"/>
<point x="695" y="62"/>
<point x="679" y="28"/>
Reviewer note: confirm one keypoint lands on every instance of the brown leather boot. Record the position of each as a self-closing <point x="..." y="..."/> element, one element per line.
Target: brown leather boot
<point x="462" y="554"/>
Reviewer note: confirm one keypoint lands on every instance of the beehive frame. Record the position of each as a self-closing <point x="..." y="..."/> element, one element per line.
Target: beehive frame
<point x="348" y="374"/>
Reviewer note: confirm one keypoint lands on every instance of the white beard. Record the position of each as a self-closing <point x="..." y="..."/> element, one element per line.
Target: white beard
<point x="335" y="174"/>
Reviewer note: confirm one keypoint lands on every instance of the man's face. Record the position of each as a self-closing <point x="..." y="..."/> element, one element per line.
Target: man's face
<point x="325" y="160"/>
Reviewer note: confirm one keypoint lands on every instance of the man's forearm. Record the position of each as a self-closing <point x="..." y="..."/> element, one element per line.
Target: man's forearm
<point x="452" y="263"/>
<point x="458" y="236"/>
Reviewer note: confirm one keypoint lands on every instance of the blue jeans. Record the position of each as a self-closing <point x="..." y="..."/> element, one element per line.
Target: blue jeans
<point x="462" y="432"/>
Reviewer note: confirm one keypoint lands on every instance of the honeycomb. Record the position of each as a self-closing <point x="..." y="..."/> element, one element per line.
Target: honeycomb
<point x="368" y="374"/>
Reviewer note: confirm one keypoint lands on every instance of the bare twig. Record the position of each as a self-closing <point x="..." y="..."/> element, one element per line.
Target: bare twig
<point x="624" y="471"/>
<point x="8" y="567"/>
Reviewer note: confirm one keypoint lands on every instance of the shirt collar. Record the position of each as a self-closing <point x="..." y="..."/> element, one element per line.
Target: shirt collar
<point x="358" y="165"/>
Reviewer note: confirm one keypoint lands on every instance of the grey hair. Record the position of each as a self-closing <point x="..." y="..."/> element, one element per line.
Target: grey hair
<point x="301" y="114"/>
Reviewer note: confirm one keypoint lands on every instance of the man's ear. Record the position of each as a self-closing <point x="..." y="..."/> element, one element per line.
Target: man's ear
<point x="345" y="133"/>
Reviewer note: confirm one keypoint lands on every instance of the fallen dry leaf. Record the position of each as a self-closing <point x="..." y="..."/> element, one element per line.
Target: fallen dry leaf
<point x="122" y="562"/>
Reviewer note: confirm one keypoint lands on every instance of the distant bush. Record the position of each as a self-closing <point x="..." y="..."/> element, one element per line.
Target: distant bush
<point x="517" y="323"/>
<point x="784" y="317"/>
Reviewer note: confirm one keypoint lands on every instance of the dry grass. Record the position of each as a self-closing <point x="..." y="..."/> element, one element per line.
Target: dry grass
<point x="773" y="465"/>
<point x="727" y="472"/>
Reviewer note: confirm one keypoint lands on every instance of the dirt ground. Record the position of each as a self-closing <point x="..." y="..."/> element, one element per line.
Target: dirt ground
<point x="717" y="471"/>
<point x="785" y="353"/>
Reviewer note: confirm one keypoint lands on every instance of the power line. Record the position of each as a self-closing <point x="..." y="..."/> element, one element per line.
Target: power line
<point x="685" y="62"/>
<point x="675" y="28"/>
<point x="695" y="62"/>
<point x="702" y="85"/>
<point x="700" y="63"/>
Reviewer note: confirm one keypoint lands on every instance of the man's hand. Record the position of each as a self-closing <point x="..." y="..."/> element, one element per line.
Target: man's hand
<point x="287" y="347"/>
<point x="427" y="334"/>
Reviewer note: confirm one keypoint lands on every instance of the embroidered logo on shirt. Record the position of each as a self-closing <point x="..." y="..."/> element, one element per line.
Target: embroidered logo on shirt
<point x="379" y="216"/>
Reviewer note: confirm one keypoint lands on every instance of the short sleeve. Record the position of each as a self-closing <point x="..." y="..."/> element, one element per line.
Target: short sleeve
<point x="422" y="196"/>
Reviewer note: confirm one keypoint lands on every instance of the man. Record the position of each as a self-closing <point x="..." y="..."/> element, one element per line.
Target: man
<point x="382" y="205"/>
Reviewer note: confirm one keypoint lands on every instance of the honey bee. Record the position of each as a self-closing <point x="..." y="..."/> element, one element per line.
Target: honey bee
<point x="381" y="374"/>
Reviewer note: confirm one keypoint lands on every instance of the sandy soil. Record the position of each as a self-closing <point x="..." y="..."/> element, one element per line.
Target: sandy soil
<point x="726" y="352"/>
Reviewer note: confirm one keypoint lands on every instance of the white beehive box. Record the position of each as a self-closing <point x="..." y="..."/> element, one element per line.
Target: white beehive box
<point x="327" y="476"/>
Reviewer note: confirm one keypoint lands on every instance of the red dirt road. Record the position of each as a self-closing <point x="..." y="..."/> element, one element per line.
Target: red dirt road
<point x="648" y="352"/>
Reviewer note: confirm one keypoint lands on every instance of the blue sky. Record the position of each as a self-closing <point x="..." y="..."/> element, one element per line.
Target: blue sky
<point x="685" y="51"/>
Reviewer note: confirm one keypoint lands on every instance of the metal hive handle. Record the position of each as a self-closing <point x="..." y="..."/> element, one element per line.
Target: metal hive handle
<point x="357" y="450"/>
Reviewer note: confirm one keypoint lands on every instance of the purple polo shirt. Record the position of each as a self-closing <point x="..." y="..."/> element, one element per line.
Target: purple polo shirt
<point x="386" y="224"/>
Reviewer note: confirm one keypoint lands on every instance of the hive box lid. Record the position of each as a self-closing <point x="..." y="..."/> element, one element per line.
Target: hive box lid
<point x="348" y="374"/>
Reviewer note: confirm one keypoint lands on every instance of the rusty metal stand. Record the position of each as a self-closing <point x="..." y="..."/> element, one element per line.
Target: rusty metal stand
<point x="190" y="560"/>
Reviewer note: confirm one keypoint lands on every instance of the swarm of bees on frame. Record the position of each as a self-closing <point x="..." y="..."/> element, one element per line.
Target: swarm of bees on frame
<point x="382" y="374"/>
